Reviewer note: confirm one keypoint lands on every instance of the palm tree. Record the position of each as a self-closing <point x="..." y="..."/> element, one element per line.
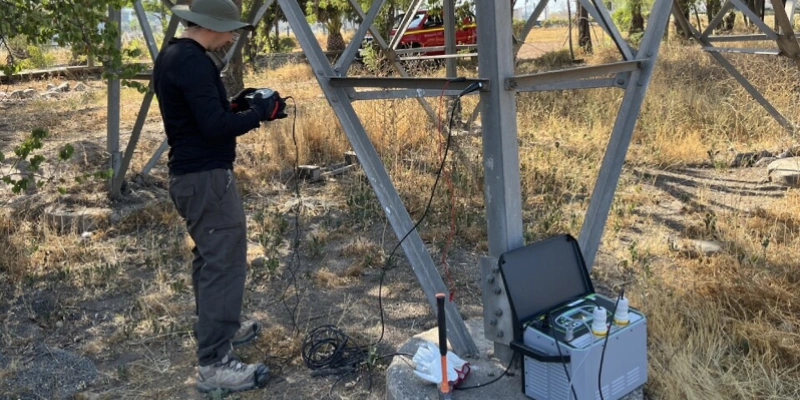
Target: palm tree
<point x="331" y="13"/>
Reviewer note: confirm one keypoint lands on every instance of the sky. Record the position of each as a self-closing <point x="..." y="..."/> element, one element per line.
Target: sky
<point x="554" y="6"/>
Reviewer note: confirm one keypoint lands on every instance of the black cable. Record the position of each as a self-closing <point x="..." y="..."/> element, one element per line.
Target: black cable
<point x="469" y="89"/>
<point x="561" y="355"/>
<point x="605" y="343"/>
<point x="328" y="347"/>
<point x="327" y="350"/>
<point x="480" y="385"/>
<point x="330" y="392"/>
<point x="294" y="262"/>
<point x="422" y="218"/>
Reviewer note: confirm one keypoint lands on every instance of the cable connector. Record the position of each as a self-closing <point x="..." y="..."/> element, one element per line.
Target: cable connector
<point x="621" y="315"/>
<point x="570" y="334"/>
<point x="471" y="88"/>
<point x="599" y="326"/>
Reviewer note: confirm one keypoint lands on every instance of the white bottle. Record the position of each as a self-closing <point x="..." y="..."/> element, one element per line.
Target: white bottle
<point x="599" y="327"/>
<point x="621" y="315"/>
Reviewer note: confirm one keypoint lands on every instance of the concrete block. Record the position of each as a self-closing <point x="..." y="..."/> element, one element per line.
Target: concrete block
<point x="311" y="173"/>
<point x="87" y="219"/>
<point x="350" y="157"/>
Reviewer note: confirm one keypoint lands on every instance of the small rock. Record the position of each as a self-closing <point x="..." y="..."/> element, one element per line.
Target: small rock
<point x="764" y="161"/>
<point x="707" y="247"/>
<point x="793" y="151"/>
<point x="50" y="86"/>
<point x="115" y="218"/>
<point x="59" y="324"/>
<point x="16" y="95"/>
<point x="86" y="235"/>
<point x="28" y="93"/>
<point x="63" y="88"/>
<point x="259" y="262"/>
<point x="785" y="170"/>
<point x="701" y="248"/>
<point x="80" y="87"/>
<point x="87" y="396"/>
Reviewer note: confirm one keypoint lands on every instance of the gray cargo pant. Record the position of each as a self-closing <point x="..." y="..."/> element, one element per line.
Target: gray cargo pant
<point x="209" y="202"/>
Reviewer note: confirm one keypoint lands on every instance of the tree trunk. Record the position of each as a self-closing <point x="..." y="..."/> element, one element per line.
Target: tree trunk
<point x="569" y="22"/>
<point x="233" y="78"/>
<point x="276" y="40"/>
<point x="730" y="19"/>
<point x="584" y="33"/>
<point x="758" y="7"/>
<point x="637" y="20"/>
<point x="686" y="7"/>
<point x="335" y="39"/>
<point x="712" y="9"/>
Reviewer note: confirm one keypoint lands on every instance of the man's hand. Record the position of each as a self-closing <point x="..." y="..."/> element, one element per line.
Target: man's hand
<point x="239" y="102"/>
<point x="269" y="108"/>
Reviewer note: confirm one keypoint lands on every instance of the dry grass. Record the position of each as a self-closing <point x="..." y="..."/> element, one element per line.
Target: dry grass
<point x="721" y="327"/>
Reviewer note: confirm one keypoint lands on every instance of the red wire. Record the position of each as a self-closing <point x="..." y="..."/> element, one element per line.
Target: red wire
<point x="452" y="203"/>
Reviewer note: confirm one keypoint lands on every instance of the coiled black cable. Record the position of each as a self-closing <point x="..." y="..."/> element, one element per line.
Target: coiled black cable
<point x="328" y="348"/>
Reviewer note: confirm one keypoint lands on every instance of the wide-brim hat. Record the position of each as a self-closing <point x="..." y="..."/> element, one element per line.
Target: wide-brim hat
<point x="215" y="15"/>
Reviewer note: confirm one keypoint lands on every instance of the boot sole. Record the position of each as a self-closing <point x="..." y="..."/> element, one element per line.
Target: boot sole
<point x="259" y="378"/>
<point x="249" y="338"/>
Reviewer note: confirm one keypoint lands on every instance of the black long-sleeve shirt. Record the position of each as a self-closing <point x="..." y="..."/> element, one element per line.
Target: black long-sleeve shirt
<point x="201" y="128"/>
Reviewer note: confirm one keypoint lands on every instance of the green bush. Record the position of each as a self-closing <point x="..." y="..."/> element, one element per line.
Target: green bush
<point x="554" y="22"/>
<point x="286" y="44"/>
<point x="134" y="50"/>
<point x="622" y="17"/>
<point x="517" y="26"/>
<point x="38" y="58"/>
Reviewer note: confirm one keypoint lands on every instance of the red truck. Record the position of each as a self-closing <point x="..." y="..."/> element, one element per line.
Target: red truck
<point x="427" y="30"/>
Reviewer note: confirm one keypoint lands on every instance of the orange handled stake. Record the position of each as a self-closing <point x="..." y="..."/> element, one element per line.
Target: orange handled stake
<point x="444" y="388"/>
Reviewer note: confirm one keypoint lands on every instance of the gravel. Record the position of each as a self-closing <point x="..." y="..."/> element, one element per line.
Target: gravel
<point x="53" y="374"/>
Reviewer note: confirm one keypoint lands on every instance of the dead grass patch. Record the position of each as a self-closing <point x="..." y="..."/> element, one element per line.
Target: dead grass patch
<point x="16" y="252"/>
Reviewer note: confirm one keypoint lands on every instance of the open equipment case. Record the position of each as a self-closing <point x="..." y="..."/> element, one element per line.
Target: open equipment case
<point x="549" y="289"/>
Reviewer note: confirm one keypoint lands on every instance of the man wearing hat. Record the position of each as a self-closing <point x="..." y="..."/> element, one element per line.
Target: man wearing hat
<point x="201" y="128"/>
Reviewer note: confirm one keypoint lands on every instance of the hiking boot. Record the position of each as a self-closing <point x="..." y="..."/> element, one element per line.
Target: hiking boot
<point x="246" y="333"/>
<point x="231" y="375"/>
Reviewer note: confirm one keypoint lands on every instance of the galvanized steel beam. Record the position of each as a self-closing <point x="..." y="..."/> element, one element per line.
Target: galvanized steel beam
<point x="373" y="167"/>
<point x="614" y="158"/>
<point x="502" y="191"/>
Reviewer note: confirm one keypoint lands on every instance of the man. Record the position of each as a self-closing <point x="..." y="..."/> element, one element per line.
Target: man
<point x="201" y="130"/>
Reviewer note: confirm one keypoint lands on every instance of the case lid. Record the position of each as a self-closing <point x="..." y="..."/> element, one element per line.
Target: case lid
<point x="544" y="275"/>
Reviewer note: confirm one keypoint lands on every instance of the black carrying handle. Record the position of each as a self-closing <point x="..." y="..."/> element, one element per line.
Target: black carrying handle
<point x="442" y="324"/>
<point x="528" y="351"/>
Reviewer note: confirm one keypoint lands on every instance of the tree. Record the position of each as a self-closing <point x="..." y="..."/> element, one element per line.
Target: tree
<point x="758" y="6"/>
<point x="637" y="20"/>
<point x="80" y="24"/>
<point x="233" y="78"/>
<point x="331" y="13"/>
<point x="686" y="7"/>
<point x="584" y="33"/>
<point x="713" y="8"/>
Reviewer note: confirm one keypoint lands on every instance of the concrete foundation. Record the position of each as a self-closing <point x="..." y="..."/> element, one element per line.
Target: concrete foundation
<point x="402" y="384"/>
